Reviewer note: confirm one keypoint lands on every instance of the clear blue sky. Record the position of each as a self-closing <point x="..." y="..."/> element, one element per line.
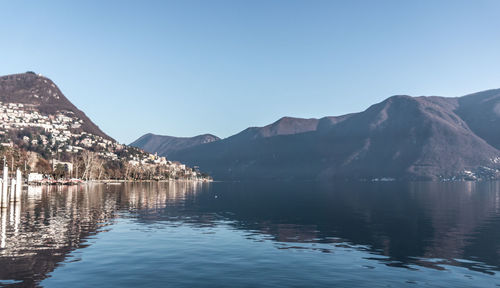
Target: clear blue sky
<point x="189" y="67"/>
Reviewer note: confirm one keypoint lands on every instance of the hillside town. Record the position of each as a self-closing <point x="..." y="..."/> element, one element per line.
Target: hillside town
<point x="50" y="147"/>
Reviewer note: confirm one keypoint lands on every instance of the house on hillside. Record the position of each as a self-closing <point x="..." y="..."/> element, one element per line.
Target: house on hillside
<point x="67" y="165"/>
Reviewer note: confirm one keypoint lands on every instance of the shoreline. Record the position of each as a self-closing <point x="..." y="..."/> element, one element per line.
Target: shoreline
<point x="116" y="181"/>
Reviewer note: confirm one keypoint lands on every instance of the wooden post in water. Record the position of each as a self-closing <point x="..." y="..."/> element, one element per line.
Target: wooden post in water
<point x="1" y="193"/>
<point x="5" y="183"/>
<point x="5" y="178"/>
<point x="12" y="189"/>
<point x="19" y="185"/>
<point x="3" y="227"/>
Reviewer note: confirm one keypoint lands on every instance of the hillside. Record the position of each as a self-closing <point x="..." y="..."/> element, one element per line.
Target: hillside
<point x="164" y="145"/>
<point x="42" y="131"/>
<point x="402" y="137"/>
<point x="38" y="92"/>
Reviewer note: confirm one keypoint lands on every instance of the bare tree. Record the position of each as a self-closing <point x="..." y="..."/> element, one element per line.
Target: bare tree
<point x="99" y="167"/>
<point x="88" y="158"/>
<point x="128" y="167"/>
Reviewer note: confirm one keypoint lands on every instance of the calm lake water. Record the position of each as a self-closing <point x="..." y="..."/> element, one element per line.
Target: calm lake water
<point x="287" y="234"/>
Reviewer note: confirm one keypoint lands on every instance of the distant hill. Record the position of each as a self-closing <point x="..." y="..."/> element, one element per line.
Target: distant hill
<point x="403" y="137"/>
<point x="165" y="145"/>
<point x="42" y="94"/>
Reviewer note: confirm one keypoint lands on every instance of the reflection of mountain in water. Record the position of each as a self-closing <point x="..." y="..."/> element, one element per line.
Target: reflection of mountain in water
<point x="425" y="224"/>
<point x="404" y="224"/>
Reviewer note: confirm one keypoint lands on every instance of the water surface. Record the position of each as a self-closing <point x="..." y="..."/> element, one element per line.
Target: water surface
<point x="273" y="234"/>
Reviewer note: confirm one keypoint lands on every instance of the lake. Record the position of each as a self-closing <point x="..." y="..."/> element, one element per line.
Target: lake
<point x="237" y="234"/>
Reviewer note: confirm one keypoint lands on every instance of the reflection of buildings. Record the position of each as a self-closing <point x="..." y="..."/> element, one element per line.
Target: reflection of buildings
<point x="43" y="227"/>
<point x="38" y="232"/>
<point x="157" y="195"/>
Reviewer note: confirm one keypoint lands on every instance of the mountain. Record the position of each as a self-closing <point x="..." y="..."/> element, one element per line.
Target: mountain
<point x="40" y="93"/>
<point x="402" y="137"/>
<point x="164" y="145"/>
<point x="42" y="131"/>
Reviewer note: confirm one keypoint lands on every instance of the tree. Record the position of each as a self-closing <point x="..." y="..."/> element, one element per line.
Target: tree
<point x="60" y="171"/>
<point x="43" y="166"/>
<point x="98" y="167"/>
<point x="88" y="158"/>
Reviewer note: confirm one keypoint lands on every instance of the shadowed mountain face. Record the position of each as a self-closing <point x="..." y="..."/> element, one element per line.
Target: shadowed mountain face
<point x="284" y="126"/>
<point x="481" y="111"/>
<point x="169" y="145"/>
<point x="402" y="137"/>
<point x="42" y="94"/>
<point x="164" y="145"/>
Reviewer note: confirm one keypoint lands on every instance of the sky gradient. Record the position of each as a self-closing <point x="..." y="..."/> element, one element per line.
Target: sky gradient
<point x="184" y="68"/>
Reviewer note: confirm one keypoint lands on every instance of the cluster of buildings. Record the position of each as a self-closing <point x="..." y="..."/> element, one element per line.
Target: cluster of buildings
<point x="62" y="132"/>
<point x="173" y="168"/>
<point x="147" y="159"/>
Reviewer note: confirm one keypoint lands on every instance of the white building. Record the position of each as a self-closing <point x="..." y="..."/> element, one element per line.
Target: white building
<point x="34" y="177"/>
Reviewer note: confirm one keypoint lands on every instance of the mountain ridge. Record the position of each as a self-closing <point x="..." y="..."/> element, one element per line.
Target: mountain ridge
<point x="402" y="137"/>
<point x="164" y="145"/>
<point x="41" y="92"/>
